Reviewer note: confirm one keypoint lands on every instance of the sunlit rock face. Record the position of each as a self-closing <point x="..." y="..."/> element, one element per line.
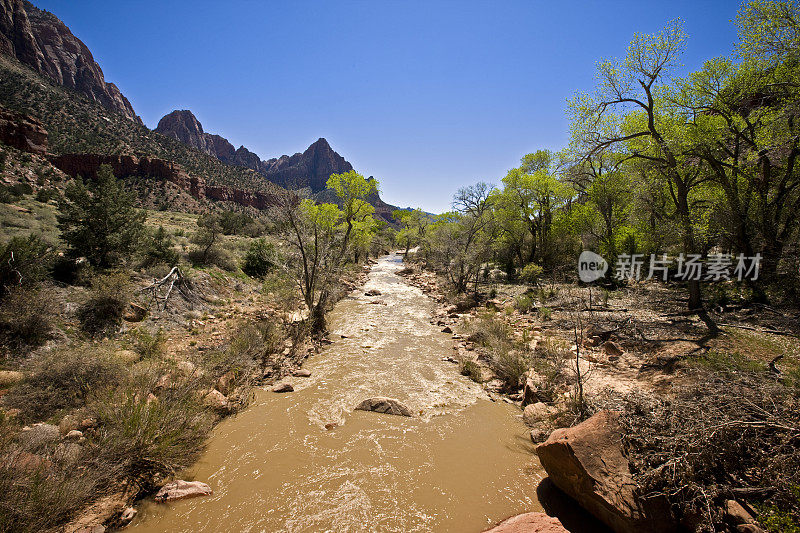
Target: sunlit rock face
<point x="41" y="41"/>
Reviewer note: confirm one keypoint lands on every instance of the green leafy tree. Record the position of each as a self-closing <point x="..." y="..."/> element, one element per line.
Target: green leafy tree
<point x="98" y="220"/>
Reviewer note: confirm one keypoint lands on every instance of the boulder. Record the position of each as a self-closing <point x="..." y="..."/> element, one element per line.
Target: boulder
<point x="587" y="463"/>
<point x="447" y="329"/>
<point x="216" y="400"/>
<point x="535" y="389"/>
<point x="135" y="313"/>
<point x="128" y="514"/>
<point x="536" y="413"/>
<point x="39" y="435"/>
<point x="301" y="373"/>
<point x="611" y="349"/>
<point x="10" y="377"/>
<point x="380" y="404"/>
<point x="178" y="490"/>
<point x="529" y="523"/>
<point x="74" y="434"/>
<point x="283" y="387"/>
<point x="372" y="292"/>
<point x="735" y="514"/>
<point x="226" y="382"/>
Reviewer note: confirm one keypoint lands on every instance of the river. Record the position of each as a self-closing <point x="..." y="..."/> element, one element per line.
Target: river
<point x="461" y="465"/>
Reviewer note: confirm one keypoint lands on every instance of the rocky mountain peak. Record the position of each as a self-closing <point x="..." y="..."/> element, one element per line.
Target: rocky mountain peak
<point x="41" y="41"/>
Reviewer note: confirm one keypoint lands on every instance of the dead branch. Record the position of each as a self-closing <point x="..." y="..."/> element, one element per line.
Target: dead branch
<point x="175" y="279"/>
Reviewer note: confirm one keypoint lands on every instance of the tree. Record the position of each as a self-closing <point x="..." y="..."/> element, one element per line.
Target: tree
<point x="160" y="248"/>
<point x="207" y="236"/>
<point x="98" y="219"/>
<point x="629" y="113"/>
<point x="312" y="233"/>
<point x="414" y="224"/>
<point x="353" y="190"/>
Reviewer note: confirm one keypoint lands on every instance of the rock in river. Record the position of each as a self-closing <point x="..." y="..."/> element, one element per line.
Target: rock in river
<point x="178" y="490"/>
<point x="379" y="404"/>
<point x="283" y="387"/>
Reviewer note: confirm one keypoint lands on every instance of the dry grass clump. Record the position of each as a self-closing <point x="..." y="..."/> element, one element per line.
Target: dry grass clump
<point x="63" y="379"/>
<point x="27" y="317"/>
<point x="727" y="435"/>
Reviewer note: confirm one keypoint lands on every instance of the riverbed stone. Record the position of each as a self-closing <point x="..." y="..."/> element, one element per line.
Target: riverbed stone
<point x="529" y="523"/>
<point x="283" y="387"/>
<point x="302" y="373"/>
<point x="180" y="489"/>
<point x="380" y="404"/>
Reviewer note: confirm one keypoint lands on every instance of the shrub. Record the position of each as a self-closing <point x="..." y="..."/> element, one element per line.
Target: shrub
<point x="45" y="195"/>
<point x="471" y="369"/>
<point x="63" y="379"/>
<point x="723" y="431"/>
<point x="107" y="302"/>
<point x="260" y="259"/>
<point x="41" y="497"/>
<point x="147" y="345"/>
<point x="24" y="261"/>
<point x="531" y="273"/>
<point x="145" y="437"/>
<point x="510" y="364"/>
<point x="159" y="249"/>
<point x="26" y="317"/>
<point x="524" y="303"/>
<point x="232" y="223"/>
<point x="545" y="313"/>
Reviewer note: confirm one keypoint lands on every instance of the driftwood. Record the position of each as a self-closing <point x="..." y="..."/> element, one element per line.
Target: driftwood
<point x="174" y="280"/>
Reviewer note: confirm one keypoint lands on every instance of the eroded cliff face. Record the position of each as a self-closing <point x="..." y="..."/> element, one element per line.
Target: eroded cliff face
<point x="125" y="166"/>
<point x="41" y="41"/>
<point x="22" y="132"/>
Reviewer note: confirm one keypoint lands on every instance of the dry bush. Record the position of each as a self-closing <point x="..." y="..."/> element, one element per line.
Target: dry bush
<point x="728" y="434"/>
<point x="62" y="379"/>
<point x="102" y="312"/>
<point x="26" y="317"/>
<point x="142" y="437"/>
<point x="509" y="358"/>
<point x="40" y="497"/>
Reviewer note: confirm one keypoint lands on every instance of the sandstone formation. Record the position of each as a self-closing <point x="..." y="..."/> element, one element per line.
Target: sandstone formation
<point x="389" y="406"/>
<point x="125" y="166"/>
<point x="41" y="41"/>
<point x="529" y="523"/>
<point x="23" y="132"/>
<point x="178" y="490"/>
<point x="587" y="463"/>
<point x="309" y="169"/>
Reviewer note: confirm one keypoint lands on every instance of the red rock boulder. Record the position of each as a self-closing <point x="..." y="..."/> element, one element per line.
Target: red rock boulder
<point x="587" y="463"/>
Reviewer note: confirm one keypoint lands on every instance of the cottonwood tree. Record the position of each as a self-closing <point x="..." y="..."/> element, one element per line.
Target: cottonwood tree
<point x="458" y="241"/>
<point x="629" y="113"/>
<point x="322" y="237"/>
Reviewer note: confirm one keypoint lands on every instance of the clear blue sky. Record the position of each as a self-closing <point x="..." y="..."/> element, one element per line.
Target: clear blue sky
<point x="427" y="96"/>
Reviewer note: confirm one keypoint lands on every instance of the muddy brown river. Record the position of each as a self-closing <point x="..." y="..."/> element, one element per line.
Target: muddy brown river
<point x="461" y="465"/>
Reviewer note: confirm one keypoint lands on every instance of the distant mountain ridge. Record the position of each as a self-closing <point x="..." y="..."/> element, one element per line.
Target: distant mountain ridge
<point x="311" y="168"/>
<point x="41" y="41"/>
